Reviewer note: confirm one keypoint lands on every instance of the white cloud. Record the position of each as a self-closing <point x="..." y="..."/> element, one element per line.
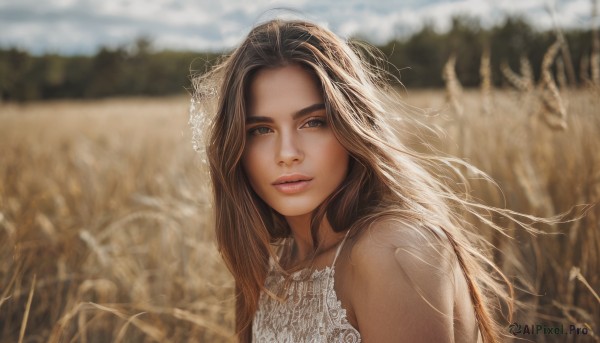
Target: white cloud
<point x="76" y="26"/>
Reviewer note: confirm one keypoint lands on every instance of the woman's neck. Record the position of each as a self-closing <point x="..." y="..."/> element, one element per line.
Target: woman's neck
<point x="303" y="242"/>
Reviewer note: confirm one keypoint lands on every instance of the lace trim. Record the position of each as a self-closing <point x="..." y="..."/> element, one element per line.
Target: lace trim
<point x="310" y="311"/>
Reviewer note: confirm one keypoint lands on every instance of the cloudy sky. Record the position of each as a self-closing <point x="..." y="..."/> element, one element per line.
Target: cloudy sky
<point x="82" y="26"/>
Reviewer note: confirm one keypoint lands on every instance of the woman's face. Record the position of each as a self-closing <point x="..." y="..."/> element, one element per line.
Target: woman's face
<point x="292" y="158"/>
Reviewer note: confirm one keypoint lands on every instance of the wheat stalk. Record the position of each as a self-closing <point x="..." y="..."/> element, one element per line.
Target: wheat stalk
<point x="527" y="72"/>
<point x="553" y="109"/>
<point x="563" y="45"/>
<point x="453" y="86"/>
<point x="27" y="309"/>
<point x="523" y="82"/>
<point x="560" y="73"/>
<point x="485" y="71"/>
<point x="575" y="273"/>
<point x="513" y="78"/>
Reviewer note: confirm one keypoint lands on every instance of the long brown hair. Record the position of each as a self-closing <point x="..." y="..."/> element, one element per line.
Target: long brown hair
<point x="385" y="177"/>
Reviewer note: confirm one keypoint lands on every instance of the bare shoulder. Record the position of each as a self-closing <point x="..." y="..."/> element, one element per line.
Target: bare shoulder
<point x="403" y="279"/>
<point x="397" y="244"/>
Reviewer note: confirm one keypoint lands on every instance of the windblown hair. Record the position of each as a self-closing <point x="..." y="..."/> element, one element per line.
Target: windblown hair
<point x="385" y="178"/>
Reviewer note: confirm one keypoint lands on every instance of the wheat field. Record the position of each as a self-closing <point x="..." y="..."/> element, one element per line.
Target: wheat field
<point x="105" y="215"/>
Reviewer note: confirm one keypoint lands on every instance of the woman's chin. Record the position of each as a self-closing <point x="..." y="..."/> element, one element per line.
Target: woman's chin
<point x="294" y="210"/>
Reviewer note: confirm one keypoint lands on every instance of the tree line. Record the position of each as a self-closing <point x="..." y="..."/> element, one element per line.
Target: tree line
<point x="416" y="61"/>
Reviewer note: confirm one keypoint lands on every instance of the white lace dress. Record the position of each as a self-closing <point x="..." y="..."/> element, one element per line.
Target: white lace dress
<point x="311" y="312"/>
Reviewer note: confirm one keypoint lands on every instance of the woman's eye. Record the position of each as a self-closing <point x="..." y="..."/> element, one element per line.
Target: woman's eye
<point x="315" y="123"/>
<point x="258" y="131"/>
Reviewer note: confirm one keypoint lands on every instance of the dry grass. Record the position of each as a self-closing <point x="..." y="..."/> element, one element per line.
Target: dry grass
<point x="540" y="171"/>
<point x="104" y="202"/>
<point x="105" y="219"/>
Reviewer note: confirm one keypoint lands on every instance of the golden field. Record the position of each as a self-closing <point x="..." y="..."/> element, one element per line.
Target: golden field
<point x="105" y="219"/>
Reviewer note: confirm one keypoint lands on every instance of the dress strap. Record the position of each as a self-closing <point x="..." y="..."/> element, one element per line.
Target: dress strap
<point x="337" y="253"/>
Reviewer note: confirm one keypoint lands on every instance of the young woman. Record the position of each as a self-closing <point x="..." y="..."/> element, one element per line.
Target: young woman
<point x="333" y="230"/>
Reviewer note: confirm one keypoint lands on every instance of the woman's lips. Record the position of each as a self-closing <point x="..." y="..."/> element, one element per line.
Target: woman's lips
<point x="292" y="183"/>
<point x="293" y="187"/>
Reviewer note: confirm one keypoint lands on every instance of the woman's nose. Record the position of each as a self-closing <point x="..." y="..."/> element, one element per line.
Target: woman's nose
<point x="290" y="150"/>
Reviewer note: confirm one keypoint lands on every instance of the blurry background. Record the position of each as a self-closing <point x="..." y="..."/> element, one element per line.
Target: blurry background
<point x="90" y="49"/>
<point x="105" y="219"/>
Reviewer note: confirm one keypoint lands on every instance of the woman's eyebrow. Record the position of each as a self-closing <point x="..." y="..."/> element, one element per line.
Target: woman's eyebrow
<point x="308" y="110"/>
<point x="299" y="114"/>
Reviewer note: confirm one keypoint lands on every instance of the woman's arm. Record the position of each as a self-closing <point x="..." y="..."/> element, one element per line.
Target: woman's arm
<point x="403" y="285"/>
